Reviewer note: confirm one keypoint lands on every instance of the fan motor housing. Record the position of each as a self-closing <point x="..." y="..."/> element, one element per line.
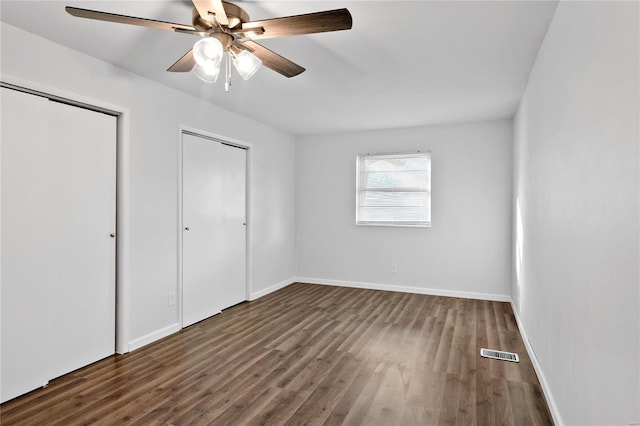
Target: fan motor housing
<point x="235" y="15"/>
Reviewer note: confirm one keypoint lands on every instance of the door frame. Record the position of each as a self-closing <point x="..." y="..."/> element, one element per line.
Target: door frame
<point x="229" y="141"/>
<point x="122" y="254"/>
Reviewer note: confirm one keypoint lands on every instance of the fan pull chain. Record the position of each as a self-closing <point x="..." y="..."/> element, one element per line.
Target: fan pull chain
<point x="227" y="67"/>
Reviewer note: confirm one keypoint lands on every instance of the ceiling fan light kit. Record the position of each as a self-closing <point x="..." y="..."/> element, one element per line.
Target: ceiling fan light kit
<point x="208" y="52"/>
<point x="246" y="64"/>
<point x="227" y="33"/>
<point x="208" y="75"/>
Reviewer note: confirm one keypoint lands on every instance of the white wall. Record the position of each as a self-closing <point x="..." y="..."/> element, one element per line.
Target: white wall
<point x="577" y="183"/>
<point x="467" y="249"/>
<point x="155" y="114"/>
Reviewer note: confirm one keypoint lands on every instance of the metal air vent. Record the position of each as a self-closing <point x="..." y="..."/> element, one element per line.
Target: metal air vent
<point x="504" y="356"/>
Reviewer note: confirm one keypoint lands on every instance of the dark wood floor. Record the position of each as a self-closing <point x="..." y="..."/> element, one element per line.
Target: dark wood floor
<point x="310" y="354"/>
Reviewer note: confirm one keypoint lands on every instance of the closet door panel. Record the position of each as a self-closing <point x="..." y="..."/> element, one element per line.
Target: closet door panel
<point x="233" y="231"/>
<point x="81" y="218"/>
<point x="203" y="248"/>
<point x="24" y="249"/>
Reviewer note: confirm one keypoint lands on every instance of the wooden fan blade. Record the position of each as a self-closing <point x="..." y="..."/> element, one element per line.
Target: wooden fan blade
<point x="272" y="60"/>
<point x="215" y="7"/>
<point x="124" y="19"/>
<point x="184" y="64"/>
<point x="319" y="22"/>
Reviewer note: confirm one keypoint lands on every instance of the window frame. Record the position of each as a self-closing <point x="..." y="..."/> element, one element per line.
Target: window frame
<point x="360" y="189"/>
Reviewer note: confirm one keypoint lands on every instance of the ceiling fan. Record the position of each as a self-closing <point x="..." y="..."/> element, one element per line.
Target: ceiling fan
<point x="225" y="27"/>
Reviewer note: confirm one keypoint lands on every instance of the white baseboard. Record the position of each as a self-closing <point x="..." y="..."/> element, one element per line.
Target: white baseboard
<point x="152" y="337"/>
<point x="407" y="289"/>
<point x="164" y="332"/>
<point x="258" y="294"/>
<point x="553" y="408"/>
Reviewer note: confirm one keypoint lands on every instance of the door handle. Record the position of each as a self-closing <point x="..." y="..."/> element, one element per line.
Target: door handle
<point x="186" y="228"/>
<point x="112" y="235"/>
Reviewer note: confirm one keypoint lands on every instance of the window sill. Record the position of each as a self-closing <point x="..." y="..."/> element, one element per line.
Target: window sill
<point x="395" y="225"/>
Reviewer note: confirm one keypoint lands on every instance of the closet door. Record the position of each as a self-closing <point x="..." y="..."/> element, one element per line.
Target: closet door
<point x="214" y="254"/>
<point x="24" y="364"/>
<point x="58" y="257"/>
<point x="82" y="217"/>
<point x="202" y="246"/>
<point x="233" y="281"/>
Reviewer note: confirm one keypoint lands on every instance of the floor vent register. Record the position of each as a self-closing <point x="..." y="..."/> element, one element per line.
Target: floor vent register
<point x="504" y="356"/>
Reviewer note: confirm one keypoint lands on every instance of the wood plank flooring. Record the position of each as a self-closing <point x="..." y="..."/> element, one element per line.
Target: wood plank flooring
<point x="310" y="354"/>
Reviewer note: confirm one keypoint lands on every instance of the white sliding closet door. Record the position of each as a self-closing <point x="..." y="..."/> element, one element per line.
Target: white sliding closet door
<point x="233" y="283"/>
<point x="82" y="215"/>
<point x="214" y="232"/>
<point x="25" y="263"/>
<point x="58" y="257"/>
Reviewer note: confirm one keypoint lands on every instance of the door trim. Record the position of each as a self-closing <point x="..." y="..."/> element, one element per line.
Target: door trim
<point x="122" y="115"/>
<point x="183" y="129"/>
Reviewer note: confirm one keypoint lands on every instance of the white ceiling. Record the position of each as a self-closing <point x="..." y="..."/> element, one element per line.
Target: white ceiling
<point x="404" y="63"/>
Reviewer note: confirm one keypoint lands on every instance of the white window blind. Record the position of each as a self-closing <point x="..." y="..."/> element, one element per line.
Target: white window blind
<point x="394" y="190"/>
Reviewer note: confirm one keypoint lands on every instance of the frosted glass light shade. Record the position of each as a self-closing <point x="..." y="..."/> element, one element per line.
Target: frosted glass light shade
<point x="208" y="54"/>
<point x="207" y="74"/>
<point x="246" y="64"/>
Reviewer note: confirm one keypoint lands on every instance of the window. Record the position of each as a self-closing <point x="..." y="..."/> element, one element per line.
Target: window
<point x="394" y="190"/>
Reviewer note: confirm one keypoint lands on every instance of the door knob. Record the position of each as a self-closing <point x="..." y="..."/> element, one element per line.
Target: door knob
<point x="112" y="235"/>
<point x="186" y="229"/>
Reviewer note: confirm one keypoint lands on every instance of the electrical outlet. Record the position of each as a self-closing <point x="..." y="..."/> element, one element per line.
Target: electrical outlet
<point x="394" y="267"/>
<point x="172" y="298"/>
